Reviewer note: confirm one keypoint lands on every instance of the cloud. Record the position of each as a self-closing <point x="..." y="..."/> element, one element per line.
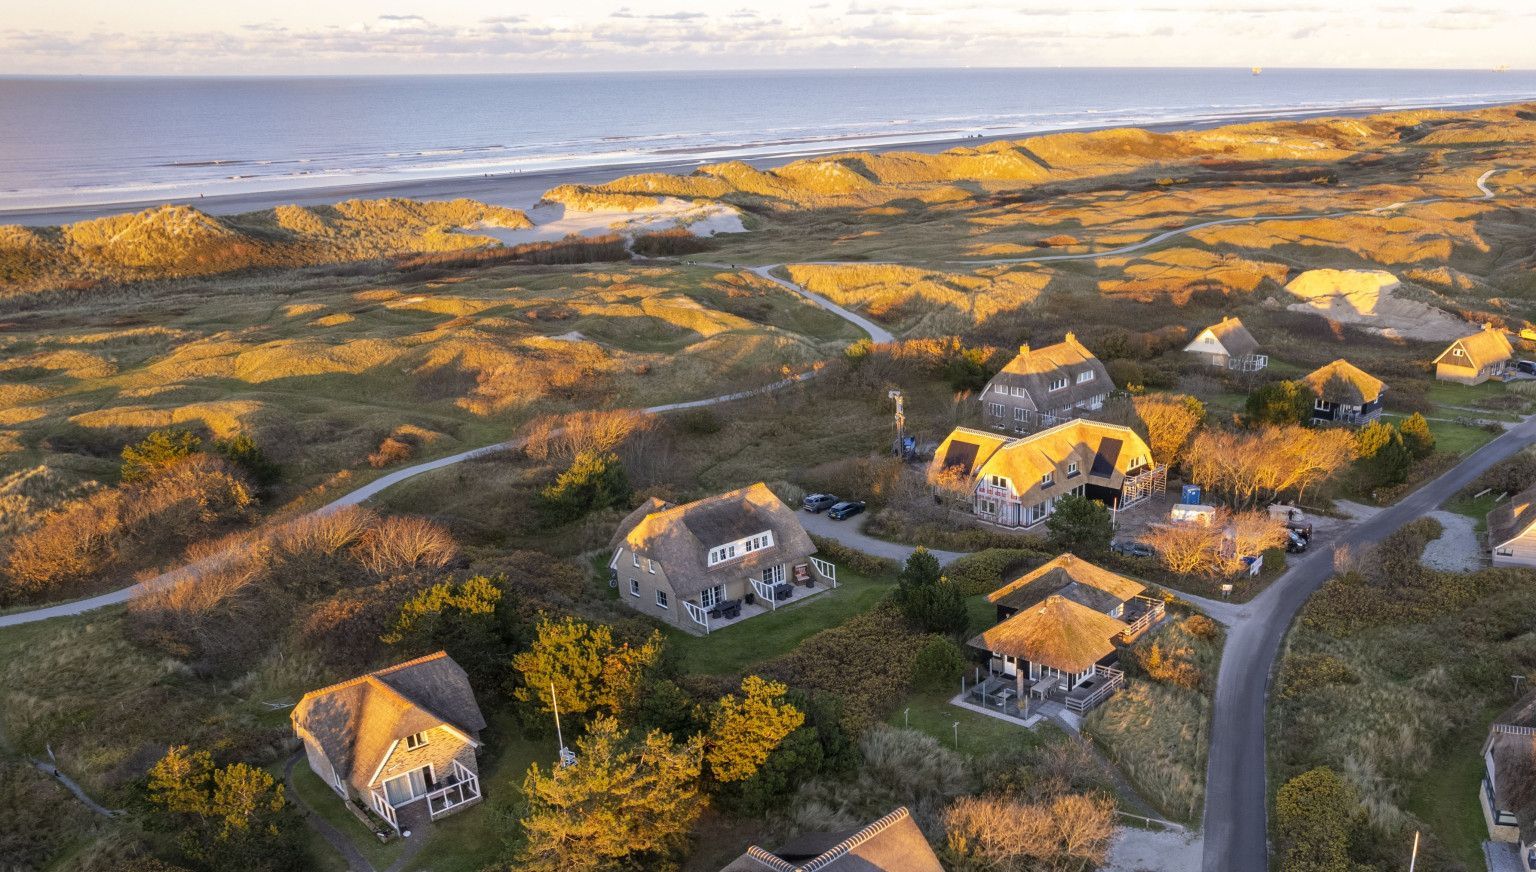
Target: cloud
<point x="626" y="12"/>
<point x="401" y="18"/>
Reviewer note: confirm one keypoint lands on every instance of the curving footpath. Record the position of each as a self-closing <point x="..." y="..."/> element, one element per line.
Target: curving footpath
<point x="1236" y="786"/>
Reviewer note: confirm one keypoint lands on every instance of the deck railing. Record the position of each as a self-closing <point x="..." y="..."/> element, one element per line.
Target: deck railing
<point x="698" y="614"/>
<point x="465" y="788"/>
<point x="1154" y="611"/>
<point x="1113" y="678"/>
<point x="826" y="569"/>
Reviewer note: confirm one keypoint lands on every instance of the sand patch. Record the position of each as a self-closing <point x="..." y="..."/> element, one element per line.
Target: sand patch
<point x="555" y="221"/>
<point x="1368" y="299"/>
<point x="294" y="310"/>
<point x="335" y="320"/>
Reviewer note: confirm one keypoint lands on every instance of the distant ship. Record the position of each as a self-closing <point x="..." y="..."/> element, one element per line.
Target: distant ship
<point x="1501" y="68"/>
<point x="1257" y="70"/>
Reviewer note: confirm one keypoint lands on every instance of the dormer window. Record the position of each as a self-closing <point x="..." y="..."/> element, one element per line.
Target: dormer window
<point x="1048" y="479"/>
<point x="1071" y="468"/>
<point x="740" y="547"/>
<point x="1020" y="392"/>
<point x="1058" y="384"/>
<point x="1085" y="376"/>
<point x="1458" y="351"/>
<point x="415" y="740"/>
<point x="1001" y="389"/>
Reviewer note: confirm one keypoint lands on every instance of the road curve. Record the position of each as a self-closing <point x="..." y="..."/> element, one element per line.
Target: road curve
<point x="1236" y="795"/>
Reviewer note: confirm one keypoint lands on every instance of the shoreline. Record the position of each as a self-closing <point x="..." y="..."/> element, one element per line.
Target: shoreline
<point x="522" y="190"/>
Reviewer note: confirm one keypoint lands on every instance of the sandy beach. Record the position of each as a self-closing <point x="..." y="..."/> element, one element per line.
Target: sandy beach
<point x="523" y="190"/>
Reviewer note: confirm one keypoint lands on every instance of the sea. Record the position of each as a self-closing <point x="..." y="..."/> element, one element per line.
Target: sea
<point x="71" y="141"/>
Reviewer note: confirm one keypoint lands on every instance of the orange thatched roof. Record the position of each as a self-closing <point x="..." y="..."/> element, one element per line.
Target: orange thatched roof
<point x="1230" y="333"/>
<point x="1487" y="346"/>
<point x="1057" y="632"/>
<point x="1343" y="382"/>
<point x="1071" y="577"/>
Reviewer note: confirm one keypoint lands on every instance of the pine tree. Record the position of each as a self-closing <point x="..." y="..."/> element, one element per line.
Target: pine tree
<point x="158" y="452"/>
<point x="744" y="730"/>
<point x="1417" y="435"/>
<point x="589" y="672"/>
<point x="1080" y="525"/>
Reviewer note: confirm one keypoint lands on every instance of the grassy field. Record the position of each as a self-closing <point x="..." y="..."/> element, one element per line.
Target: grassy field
<point x="740" y="646"/>
<point x="329" y="806"/>
<point x="979" y="734"/>
<point x="1446" y="797"/>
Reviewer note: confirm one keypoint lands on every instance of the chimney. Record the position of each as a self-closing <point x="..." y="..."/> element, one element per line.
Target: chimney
<point x="1071" y="337"/>
<point x="1024" y="349"/>
<point x="1487" y="325"/>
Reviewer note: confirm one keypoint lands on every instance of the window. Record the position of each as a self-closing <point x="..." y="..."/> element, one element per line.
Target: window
<point x="1085" y="376"/>
<point x="416" y="740"/>
<point x="652" y="565"/>
<point x="1321" y="405"/>
<point x="404" y="788"/>
<point x="634" y="587"/>
<point x="661" y="599"/>
<point x="637" y="560"/>
<point x="1048" y="479"/>
<point x="711" y="597"/>
<point x="997" y="481"/>
<point x="1020" y="392"/>
<point x="773" y="574"/>
<point x="1505" y="552"/>
<point x="1458" y="352"/>
<point x="1058" y="383"/>
<point x="1071" y="468"/>
<point x="1020" y="414"/>
<point x="986" y="507"/>
<point x="1000" y="389"/>
<point x="995" y="410"/>
<point x="1037" y="512"/>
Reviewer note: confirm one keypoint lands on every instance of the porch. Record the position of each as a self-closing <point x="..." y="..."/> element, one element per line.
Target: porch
<point x="1248" y="362"/>
<point x="1001" y="693"/>
<point x="764" y="597"/>
<point x="460" y="788"/>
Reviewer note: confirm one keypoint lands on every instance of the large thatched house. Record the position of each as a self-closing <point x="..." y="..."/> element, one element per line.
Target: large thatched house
<point x="1344" y="394"/>
<point x="1507" y="792"/>
<point x="1042" y="387"/>
<point x="1229" y="345"/>
<point x="1016" y="482"/>
<point x="1474" y="359"/>
<point x="709" y="563"/>
<point x="400" y="740"/>
<point x="891" y="844"/>
<point x="1512" y="530"/>
<point x="1059" y="631"/>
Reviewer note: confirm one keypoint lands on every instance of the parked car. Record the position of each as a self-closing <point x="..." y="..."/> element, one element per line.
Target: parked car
<point x="815" y="503"/>
<point x="1302" y="530"/>
<point x="1295" y="543"/>
<point x="1131" y="549"/>
<point x="845" y="510"/>
<point x="1526" y="366"/>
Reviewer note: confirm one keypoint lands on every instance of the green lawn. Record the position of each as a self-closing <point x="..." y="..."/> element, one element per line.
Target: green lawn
<point x="1475" y="508"/>
<point x="329" y="806"/>
<point x="1446" y="797"/>
<point x="738" y="647"/>
<point x="1451" y="394"/>
<point x="982" y="614"/>
<point x="931" y="713"/>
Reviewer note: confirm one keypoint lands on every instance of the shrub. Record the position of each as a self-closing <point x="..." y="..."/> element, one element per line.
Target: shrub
<point x="745" y="730"/>
<point x="861" y="563"/>
<point x="835" y="664"/>
<point x="1417" y="436"/>
<point x="394" y="449"/>
<point x="938" y="665"/>
<point x="1127" y="374"/>
<point x="985" y="571"/>
<point x="1068" y="831"/>
<point x="1280" y="402"/>
<point x="158" y="452"/>
<point x="1306" y="673"/>
<point x="699" y="422"/>
<point x="1312" y="822"/>
<point x="584" y="666"/>
<point x="1384" y="454"/>
<point x="670" y="242"/>
<point x="1080" y="525"/>
<point x="402" y="544"/>
<point x="242" y="451"/>
<point x="593" y="481"/>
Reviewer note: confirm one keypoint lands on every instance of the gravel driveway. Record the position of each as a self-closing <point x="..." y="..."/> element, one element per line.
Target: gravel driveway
<point x="1457" y="549"/>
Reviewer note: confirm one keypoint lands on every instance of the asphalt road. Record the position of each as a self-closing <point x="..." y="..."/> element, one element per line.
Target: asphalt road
<point x="1236" y="806"/>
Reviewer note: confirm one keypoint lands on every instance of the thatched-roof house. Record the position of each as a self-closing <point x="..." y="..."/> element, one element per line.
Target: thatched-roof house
<point x="400" y="740"/>
<point x="1060" y="627"/>
<point x="1508" y="790"/>
<point x="1229" y="345"/>
<point x="1016" y="482"/>
<point x="704" y="564"/>
<point x="1042" y="387"/>
<point x="1512" y="530"/>
<point x="1474" y="359"/>
<point x="1344" y="393"/>
<point x="891" y="844"/>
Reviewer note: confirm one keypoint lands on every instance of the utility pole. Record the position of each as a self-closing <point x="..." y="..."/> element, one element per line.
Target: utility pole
<point x="901" y="422"/>
<point x="1413" y="860"/>
<point x="567" y="757"/>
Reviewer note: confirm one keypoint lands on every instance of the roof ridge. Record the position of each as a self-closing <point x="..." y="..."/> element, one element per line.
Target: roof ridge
<point x="331" y="688"/>
<point x="677" y="507"/>
<point x="842" y="849"/>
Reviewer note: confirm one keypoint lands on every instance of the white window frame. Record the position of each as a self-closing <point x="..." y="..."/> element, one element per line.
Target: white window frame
<point x="1020" y="391"/>
<point x="652" y="565"/>
<point x="636" y="555"/>
<point x="1059" y="384"/>
<point x="426" y="788"/>
<point x="1321" y="405"/>
<point x="1071" y="468"/>
<point x="711" y="596"/>
<point x="416" y="740"/>
<point x="1458" y="351"/>
<point x="1020" y="414"/>
<point x="634" y="587"/>
<point x="1048" y="479"/>
<point x="1000" y="389"/>
<point x="661" y="598"/>
<point x="1085" y="376"/>
<point x="996" y="410"/>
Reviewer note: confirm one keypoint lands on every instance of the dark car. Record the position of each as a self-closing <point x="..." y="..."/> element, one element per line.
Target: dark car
<point x="1295" y="542"/>
<point x="1526" y="366"/>
<point x="814" y="503"/>
<point x="845" y="510"/>
<point x="1131" y="549"/>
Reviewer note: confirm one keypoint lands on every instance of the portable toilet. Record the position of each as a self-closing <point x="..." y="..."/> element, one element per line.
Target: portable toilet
<point x="1192" y="495"/>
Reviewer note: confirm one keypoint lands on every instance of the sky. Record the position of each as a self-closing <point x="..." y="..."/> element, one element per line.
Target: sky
<point x="304" y="37"/>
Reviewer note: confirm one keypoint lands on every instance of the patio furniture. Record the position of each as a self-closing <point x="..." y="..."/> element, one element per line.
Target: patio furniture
<point x="783" y="591"/>
<point x="730" y="608"/>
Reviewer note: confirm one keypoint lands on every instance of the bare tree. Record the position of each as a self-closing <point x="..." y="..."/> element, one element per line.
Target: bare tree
<point x="1190" y="549"/>
<point x="403" y="543"/>
<point x="1169" y="421"/>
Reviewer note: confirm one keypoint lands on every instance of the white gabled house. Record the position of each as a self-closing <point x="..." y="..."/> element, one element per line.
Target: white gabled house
<point x="1229" y="345"/>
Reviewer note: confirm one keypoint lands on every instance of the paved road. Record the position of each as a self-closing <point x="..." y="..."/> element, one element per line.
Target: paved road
<point x="1236" y="809"/>
<point x="851" y="533"/>
<point x="876" y="332"/>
